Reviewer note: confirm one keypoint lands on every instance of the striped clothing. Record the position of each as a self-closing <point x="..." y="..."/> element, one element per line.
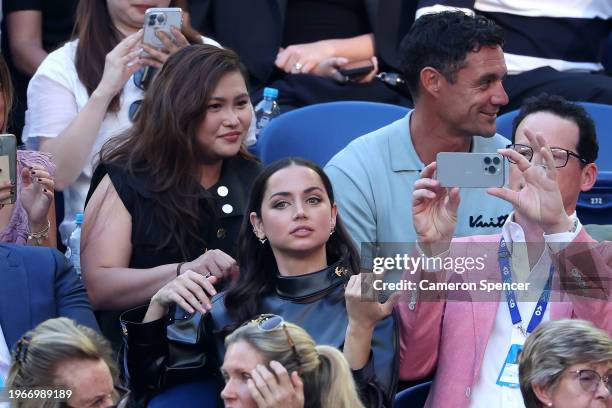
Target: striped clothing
<point x="567" y="35"/>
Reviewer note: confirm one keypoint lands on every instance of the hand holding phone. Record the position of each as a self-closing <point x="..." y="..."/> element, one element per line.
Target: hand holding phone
<point x="470" y="170"/>
<point x="355" y="70"/>
<point x="161" y="19"/>
<point x="162" y="35"/>
<point x="8" y="169"/>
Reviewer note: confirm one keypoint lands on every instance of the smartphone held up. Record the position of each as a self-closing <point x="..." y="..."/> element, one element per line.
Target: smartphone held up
<point x="161" y="19"/>
<point x="8" y="165"/>
<point x="471" y="170"/>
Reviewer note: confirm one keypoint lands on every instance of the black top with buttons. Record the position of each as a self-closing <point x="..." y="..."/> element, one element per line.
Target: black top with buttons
<point x="219" y="226"/>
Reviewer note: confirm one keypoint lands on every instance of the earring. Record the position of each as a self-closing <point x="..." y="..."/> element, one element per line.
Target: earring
<point x="333" y="229"/>
<point x="262" y="240"/>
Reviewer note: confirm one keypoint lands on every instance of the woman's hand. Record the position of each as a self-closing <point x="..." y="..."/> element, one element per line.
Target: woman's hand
<point x="365" y="313"/>
<point x="36" y="195"/>
<point x="276" y="390"/>
<point x="539" y="200"/>
<point x="119" y="65"/>
<point x="434" y="209"/>
<point x="157" y="57"/>
<point x="214" y="262"/>
<point x="303" y="58"/>
<point x="189" y="290"/>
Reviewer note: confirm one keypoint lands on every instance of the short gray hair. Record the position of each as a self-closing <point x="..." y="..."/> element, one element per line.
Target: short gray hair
<point x="553" y="347"/>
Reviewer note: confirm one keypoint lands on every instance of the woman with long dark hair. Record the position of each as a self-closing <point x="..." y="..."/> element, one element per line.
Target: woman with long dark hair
<point x="169" y="194"/>
<point x="89" y="89"/>
<point x="296" y="259"/>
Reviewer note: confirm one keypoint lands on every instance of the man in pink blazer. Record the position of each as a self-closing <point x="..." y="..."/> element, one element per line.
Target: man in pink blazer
<point x="470" y="340"/>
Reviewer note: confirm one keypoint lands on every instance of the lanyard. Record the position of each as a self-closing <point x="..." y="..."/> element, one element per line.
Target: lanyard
<point x="515" y="314"/>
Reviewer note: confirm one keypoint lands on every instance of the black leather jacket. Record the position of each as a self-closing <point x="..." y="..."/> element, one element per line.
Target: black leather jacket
<point x="314" y="301"/>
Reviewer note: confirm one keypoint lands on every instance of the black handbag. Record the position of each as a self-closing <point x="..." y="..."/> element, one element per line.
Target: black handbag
<point x="187" y="357"/>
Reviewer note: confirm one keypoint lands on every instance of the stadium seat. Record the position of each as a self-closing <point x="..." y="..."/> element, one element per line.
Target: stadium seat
<point x="413" y="397"/>
<point x="595" y="206"/>
<point x="317" y="132"/>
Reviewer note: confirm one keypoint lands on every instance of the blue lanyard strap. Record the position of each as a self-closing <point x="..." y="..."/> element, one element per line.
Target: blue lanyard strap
<point x="506" y="272"/>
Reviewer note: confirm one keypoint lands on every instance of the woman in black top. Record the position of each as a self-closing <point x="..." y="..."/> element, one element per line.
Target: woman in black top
<point x="301" y="44"/>
<point x="169" y="194"/>
<point x="296" y="259"/>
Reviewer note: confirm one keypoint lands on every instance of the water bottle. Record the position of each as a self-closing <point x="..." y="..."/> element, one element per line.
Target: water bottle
<point x="266" y="110"/>
<point x="73" y="253"/>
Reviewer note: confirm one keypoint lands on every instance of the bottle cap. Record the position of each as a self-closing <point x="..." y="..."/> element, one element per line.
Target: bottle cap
<point x="270" y="93"/>
<point x="79" y="218"/>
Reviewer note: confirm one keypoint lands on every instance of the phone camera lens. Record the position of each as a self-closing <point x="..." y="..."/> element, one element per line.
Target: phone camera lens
<point x="487" y="160"/>
<point x="492" y="169"/>
<point x="161" y="18"/>
<point x="496" y="160"/>
<point x="152" y="19"/>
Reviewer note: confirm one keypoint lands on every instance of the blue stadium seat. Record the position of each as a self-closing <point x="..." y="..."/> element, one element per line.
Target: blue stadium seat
<point x="595" y="206"/>
<point x="413" y="397"/>
<point x="317" y="132"/>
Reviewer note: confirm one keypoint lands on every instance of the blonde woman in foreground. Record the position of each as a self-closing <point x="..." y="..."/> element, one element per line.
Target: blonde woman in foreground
<point x="272" y="363"/>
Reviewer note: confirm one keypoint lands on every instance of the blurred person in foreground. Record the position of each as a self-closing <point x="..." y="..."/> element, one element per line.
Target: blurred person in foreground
<point x="566" y="364"/>
<point x="59" y="354"/>
<point x="275" y="364"/>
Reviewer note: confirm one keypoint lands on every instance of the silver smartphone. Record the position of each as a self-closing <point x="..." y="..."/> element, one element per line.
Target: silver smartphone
<point x="8" y="164"/>
<point x="161" y="19"/>
<point x="476" y="170"/>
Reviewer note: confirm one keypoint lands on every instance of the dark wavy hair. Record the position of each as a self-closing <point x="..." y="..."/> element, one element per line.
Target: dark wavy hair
<point x="258" y="268"/>
<point x="442" y="41"/>
<point x="163" y="143"/>
<point x="587" y="146"/>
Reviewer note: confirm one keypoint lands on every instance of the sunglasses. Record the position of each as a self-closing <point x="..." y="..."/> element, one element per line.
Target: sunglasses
<point x="589" y="380"/>
<point x="142" y="79"/>
<point x="271" y="322"/>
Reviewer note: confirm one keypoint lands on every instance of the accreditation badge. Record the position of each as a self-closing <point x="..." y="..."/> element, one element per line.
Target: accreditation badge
<point x="509" y="375"/>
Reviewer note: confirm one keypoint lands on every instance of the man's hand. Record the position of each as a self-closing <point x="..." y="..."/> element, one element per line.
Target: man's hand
<point x="434" y="209"/>
<point x="539" y="201"/>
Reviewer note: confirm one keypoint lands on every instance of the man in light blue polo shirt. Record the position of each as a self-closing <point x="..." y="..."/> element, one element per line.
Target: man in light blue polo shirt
<point x="453" y="66"/>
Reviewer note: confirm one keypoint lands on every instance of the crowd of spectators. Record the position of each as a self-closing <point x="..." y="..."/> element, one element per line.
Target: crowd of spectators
<point x="208" y="278"/>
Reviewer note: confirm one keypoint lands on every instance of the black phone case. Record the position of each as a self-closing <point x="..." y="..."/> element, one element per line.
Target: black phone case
<point x="359" y="71"/>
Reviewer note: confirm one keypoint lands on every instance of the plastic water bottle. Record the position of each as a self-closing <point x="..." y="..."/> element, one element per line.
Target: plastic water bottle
<point x="266" y="110"/>
<point x="73" y="253"/>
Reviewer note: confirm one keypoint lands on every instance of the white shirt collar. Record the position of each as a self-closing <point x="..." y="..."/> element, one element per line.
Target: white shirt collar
<point x="513" y="232"/>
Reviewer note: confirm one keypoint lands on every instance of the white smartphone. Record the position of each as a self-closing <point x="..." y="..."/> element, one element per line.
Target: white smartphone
<point x="475" y="170"/>
<point x="8" y="164"/>
<point x="161" y="19"/>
